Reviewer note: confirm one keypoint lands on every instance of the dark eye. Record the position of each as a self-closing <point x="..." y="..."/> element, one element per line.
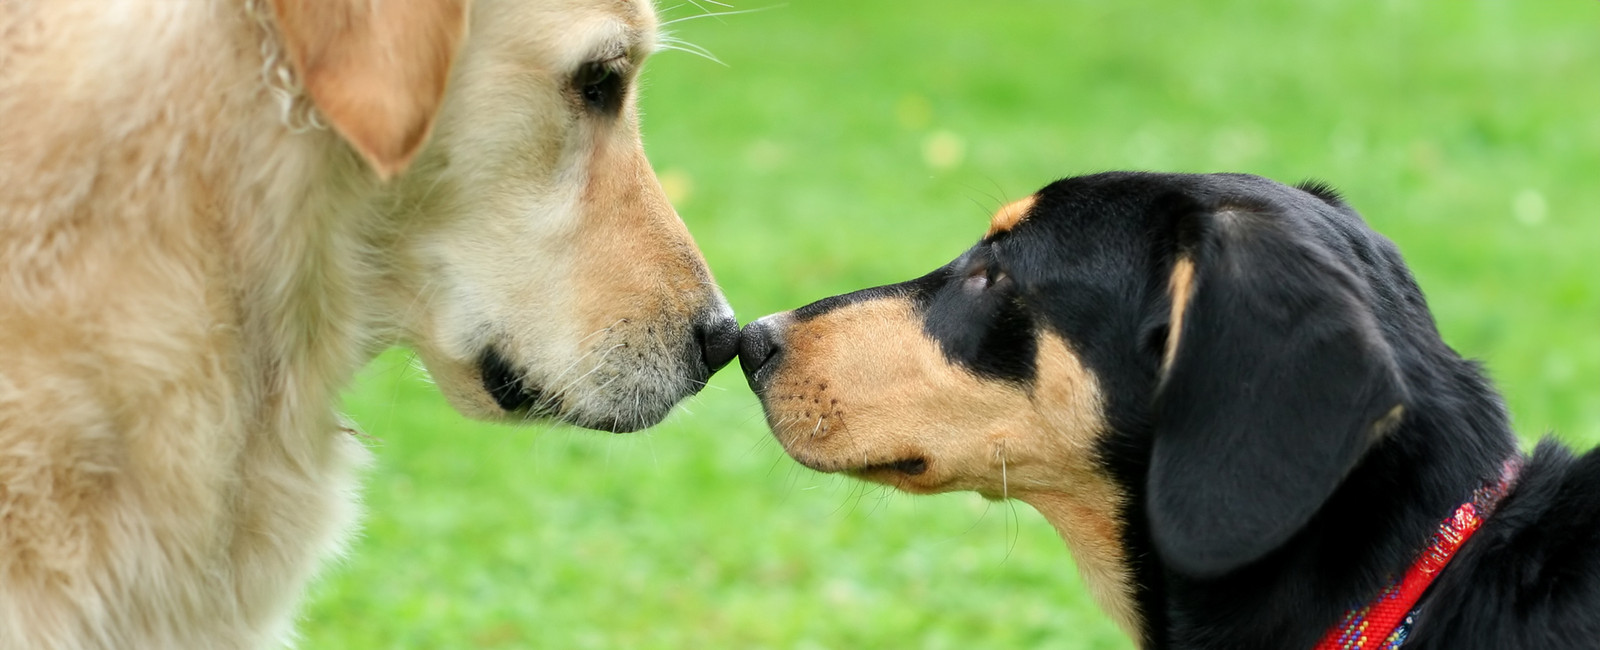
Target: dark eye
<point x="983" y="279"/>
<point x="975" y="283"/>
<point x="600" y="87"/>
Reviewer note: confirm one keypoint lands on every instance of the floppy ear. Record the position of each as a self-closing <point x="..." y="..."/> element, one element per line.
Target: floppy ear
<point x="375" y="69"/>
<point x="1274" y="377"/>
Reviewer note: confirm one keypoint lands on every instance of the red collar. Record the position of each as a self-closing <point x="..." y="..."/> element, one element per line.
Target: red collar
<point x="1385" y="621"/>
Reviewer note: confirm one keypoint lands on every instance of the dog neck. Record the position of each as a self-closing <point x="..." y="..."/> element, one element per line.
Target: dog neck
<point x="1385" y="620"/>
<point x="1093" y="532"/>
<point x="1454" y="435"/>
<point x="195" y="259"/>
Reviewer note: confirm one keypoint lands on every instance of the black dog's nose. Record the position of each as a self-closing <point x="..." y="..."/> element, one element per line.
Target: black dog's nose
<point x="719" y="341"/>
<point x="758" y="344"/>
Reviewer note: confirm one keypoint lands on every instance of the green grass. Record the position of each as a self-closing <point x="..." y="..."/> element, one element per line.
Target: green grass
<point x="857" y="142"/>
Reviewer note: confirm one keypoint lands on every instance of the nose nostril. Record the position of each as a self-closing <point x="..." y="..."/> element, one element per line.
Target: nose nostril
<point x="719" y="341"/>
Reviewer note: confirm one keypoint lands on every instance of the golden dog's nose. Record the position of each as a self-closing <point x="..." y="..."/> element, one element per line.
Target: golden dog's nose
<point x="719" y="341"/>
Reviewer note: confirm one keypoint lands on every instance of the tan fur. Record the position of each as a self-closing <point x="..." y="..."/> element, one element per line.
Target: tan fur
<point x="1388" y="423"/>
<point x="862" y="385"/>
<point x="186" y="281"/>
<point x="377" y="73"/>
<point x="1181" y="287"/>
<point x="1010" y="214"/>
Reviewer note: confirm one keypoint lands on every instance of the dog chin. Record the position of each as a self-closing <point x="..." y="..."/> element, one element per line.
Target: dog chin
<point x="635" y="415"/>
<point x="616" y="399"/>
<point x="481" y="407"/>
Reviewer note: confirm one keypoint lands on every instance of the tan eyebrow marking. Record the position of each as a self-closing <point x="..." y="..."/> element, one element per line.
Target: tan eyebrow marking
<point x="1010" y="215"/>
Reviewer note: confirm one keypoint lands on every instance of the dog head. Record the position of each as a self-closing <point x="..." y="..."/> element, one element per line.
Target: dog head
<point x="1195" y="358"/>
<point x="530" y="255"/>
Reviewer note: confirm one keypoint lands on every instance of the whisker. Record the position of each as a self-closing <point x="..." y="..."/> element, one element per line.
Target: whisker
<point x="667" y="42"/>
<point x="987" y="505"/>
<point x="574" y="363"/>
<point x="1005" y="484"/>
<point x="985" y="211"/>
<point x="599" y="365"/>
<point x="1011" y="507"/>
<point x="997" y="188"/>
<point x="703" y="8"/>
<point x="586" y="395"/>
<point x="719" y="14"/>
<point x="555" y="391"/>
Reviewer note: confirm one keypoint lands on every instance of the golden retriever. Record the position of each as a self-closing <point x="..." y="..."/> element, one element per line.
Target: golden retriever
<point x="215" y="211"/>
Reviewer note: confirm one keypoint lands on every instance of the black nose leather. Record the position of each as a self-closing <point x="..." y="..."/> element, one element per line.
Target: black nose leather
<point x="757" y="346"/>
<point x="719" y="341"/>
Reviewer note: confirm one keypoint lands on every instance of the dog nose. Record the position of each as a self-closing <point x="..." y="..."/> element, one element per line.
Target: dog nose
<point x="758" y="345"/>
<point x="719" y="340"/>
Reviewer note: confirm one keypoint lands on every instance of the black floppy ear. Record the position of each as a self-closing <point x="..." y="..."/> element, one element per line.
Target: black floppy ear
<point x="1274" y="378"/>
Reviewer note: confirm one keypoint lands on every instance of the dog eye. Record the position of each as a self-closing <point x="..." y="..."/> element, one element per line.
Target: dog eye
<point x="981" y="280"/>
<point x="600" y="86"/>
<point x="975" y="283"/>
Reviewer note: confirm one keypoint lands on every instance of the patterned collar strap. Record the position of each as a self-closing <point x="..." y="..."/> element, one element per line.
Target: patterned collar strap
<point x="1385" y="621"/>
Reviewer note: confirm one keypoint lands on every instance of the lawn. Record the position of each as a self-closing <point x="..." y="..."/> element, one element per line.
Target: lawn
<point x="849" y="143"/>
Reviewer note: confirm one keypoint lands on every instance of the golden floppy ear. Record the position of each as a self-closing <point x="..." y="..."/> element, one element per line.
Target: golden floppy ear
<point x="376" y="70"/>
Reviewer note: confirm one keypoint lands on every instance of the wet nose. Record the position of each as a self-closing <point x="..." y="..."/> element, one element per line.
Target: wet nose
<point x="758" y="345"/>
<point x="719" y="340"/>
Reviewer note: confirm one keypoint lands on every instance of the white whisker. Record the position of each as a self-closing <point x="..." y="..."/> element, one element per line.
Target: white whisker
<point x="1005" y="484"/>
<point x="1011" y="506"/>
<point x="703" y="8"/>
<point x="669" y="43"/>
<point x="719" y="14"/>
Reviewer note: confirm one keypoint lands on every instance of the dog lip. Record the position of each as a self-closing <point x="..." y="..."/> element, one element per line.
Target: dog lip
<point x="612" y="425"/>
<point x="912" y="466"/>
<point x="908" y="466"/>
<point x="506" y="385"/>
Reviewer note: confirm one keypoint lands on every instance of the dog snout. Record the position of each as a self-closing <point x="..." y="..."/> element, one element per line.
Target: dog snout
<point x="759" y="344"/>
<point x="718" y="337"/>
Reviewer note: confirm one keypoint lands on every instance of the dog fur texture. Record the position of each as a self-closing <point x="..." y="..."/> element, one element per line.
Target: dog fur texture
<point x="1226" y="394"/>
<point x="216" y="211"/>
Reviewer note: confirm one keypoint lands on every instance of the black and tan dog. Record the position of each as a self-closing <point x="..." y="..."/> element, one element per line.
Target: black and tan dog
<point x="1228" y="396"/>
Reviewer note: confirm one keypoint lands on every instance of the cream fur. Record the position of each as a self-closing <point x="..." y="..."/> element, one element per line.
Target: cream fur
<point x="186" y="282"/>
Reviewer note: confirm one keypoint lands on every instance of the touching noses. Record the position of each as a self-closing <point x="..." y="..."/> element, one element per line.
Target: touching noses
<point x="718" y="338"/>
<point x="759" y="344"/>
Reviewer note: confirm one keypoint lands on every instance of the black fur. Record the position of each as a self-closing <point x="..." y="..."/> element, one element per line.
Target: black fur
<point x="1265" y="501"/>
<point x="1279" y="375"/>
<point x="986" y="329"/>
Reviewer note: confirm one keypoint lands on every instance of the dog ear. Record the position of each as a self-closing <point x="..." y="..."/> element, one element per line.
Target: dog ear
<point x="375" y="70"/>
<point x="1274" y="381"/>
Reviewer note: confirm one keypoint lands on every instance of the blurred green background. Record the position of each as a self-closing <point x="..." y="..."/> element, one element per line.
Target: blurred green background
<point x="849" y="143"/>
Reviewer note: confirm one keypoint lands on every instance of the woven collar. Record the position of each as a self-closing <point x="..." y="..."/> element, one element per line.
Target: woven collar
<point x="1384" y="622"/>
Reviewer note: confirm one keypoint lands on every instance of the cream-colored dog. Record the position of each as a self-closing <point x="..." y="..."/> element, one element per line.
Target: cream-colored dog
<point x="213" y="212"/>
